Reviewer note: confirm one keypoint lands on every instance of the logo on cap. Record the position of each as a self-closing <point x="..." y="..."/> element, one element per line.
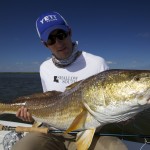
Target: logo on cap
<point x="48" y="22"/>
<point x="48" y="18"/>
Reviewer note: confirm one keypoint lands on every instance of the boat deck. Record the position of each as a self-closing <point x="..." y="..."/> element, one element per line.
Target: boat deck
<point x="130" y="145"/>
<point x="8" y="123"/>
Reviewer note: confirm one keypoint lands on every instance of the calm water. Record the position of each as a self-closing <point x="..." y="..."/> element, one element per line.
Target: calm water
<point x="13" y="85"/>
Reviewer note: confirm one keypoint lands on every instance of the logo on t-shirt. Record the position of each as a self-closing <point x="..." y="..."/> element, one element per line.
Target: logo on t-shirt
<point x="65" y="79"/>
<point x="55" y="79"/>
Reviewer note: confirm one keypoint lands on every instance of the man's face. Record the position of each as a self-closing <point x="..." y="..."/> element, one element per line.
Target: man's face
<point x="60" y="44"/>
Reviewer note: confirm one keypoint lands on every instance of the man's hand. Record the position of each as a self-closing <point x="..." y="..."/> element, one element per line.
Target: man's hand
<point x="24" y="114"/>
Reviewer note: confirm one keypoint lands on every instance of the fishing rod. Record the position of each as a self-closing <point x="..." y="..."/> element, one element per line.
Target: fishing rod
<point x="47" y="130"/>
<point x="106" y="134"/>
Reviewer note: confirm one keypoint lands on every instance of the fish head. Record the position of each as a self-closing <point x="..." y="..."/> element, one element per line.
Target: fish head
<point x="130" y="85"/>
<point x="118" y="95"/>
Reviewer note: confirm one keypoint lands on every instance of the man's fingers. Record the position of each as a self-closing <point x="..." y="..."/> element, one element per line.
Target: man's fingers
<point x="18" y="112"/>
<point x="23" y="114"/>
<point x="29" y="117"/>
<point x="25" y="110"/>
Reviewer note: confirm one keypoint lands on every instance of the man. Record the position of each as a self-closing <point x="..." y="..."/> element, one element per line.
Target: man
<point x="67" y="65"/>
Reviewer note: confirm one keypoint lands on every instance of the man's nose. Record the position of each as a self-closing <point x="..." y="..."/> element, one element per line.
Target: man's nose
<point x="58" y="41"/>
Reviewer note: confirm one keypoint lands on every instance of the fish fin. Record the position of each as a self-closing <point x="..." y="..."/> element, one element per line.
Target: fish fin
<point x="36" y="124"/>
<point x="84" y="139"/>
<point x="78" y="122"/>
<point x="72" y="85"/>
<point x="34" y="96"/>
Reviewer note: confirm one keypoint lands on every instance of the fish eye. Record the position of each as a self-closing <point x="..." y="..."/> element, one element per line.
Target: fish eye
<point x="137" y="78"/>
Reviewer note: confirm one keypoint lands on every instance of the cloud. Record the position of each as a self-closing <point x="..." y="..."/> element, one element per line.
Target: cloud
<point x="19" y="63"/>
<point x="48" y="58"/>
<point x="110" y="62"/>
<point x="133" y="64"/>
<point x="144" y="35"/>
<point x="25" y="63"/>
<point x="36" y="63"/>
<point x="32" y="66"/>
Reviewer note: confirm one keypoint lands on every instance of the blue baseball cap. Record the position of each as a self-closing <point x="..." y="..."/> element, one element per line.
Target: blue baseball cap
<point x="49" y="22"/>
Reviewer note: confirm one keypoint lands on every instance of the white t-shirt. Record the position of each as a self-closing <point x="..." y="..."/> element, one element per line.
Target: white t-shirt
<point x="86" y="65"/>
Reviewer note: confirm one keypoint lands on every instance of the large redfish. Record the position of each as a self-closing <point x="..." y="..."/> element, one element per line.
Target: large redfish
<point x="108" y="97"/>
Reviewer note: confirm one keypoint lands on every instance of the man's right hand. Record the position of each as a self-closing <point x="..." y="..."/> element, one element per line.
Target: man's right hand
<point x="24" y="114"/>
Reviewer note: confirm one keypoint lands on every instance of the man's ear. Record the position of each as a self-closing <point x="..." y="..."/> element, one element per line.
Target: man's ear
<point x="70" y="32"/>
<point x="44" y="43"/>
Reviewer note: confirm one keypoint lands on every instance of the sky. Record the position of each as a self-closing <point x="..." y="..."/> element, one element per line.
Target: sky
<point x="117" y="30"/>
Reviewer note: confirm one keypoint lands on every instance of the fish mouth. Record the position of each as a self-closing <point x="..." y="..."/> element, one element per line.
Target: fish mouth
<point x="148" y="100"/>
<point x="144" y="101"/>
<point x="144" y="98"/>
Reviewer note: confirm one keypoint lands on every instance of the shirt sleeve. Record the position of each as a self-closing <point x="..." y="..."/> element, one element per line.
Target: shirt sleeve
<point x="103" y="65"/>
<point x="42" y="81"/>
<point x="43" y="85"/>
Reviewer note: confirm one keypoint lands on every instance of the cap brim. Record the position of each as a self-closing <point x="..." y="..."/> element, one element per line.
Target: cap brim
<point x="46" y="34"/>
